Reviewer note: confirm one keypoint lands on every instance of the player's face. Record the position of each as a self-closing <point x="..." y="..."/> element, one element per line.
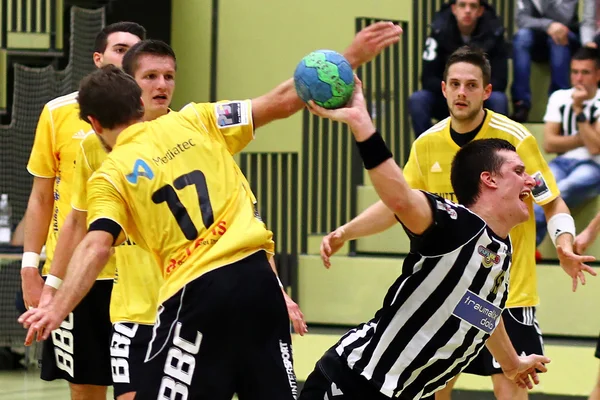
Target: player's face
<point x="117" y="45"/>
<point x="464" y="91"/>
<point x="514" y="186"/>
<point x="467" y="12"/>
<point x="156" y="77"/>
<point x="584" y="73"/>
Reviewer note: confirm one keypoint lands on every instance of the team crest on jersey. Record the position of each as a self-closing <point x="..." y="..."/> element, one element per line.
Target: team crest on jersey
<point x="540" y="191"/>
<point x="489" y="257"/>
<point x="231" y="114"/>
<point x="140" y="169"/>
<point x="448" y="208"/>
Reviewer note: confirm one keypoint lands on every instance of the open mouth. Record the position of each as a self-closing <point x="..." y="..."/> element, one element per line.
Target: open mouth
<point x="160" y="97"/>
<point x="524" y="195"/>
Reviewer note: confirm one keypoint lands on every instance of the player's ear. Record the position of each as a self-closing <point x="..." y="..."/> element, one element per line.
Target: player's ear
<point x="98" y="59"/>
<point x="95" y="125"/>
<point x="444" y="88"/>
<point x="487" y="91"/>
<point x="488" y="179"/>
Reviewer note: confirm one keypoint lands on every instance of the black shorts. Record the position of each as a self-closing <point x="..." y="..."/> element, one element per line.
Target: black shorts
<point x="333" y="379"/>
<point x="79" y="350"/>
<point x="597" y="353"/>
<point x="226" y="332"/>
<point x="524" y="333"/>
<point x="128" y="348"/>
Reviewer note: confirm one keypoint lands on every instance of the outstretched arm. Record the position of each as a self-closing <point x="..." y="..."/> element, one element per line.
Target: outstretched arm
<point x="89" y="258"/>
<point x="410" y="206"/>
<point x="377" y="218"/>
<point x="283" y="101"/>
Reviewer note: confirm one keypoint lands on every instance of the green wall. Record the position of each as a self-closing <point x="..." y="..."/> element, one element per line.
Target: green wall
<point x="259" y="45"/>
<point x="190" y="38"/>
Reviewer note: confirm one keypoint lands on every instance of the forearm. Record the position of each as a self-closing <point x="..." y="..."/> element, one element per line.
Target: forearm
<point x="589" y="137"/>
<point x="558" y="206"/>
<point x="502" y="349"/>
<point x="594" y="226"/>
<point x="37" y="223"/>
<point x="88" y="260"/>
<point x="561" y="144"/>
<point x="377" y="218"/>
<point x="71" y="234"/>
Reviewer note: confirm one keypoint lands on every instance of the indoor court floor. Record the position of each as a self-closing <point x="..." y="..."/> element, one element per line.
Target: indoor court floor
<point x="571" y="375"/>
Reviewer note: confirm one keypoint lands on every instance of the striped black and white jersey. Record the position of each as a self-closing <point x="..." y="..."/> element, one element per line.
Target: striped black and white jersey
<point x="560" y="110"/>
<point x="438" y="314"/>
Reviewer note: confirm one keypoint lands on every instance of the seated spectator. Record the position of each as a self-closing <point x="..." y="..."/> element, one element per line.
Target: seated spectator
<point x="460" y="22"/>
<point x="572" y="130"/>
<point x="590" y="24"/>
<point x="547" y="31"/>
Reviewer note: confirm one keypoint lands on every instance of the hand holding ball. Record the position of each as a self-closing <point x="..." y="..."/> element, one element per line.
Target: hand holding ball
<point x="325" y="77"/>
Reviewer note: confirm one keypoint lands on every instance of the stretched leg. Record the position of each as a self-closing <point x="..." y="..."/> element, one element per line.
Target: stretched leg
<point x="505" y="389"/>
<point x="421" y="107"/>
<point x="446" y="393"/>
<point x="498" y="102"/>
<point x="523" y="42"/>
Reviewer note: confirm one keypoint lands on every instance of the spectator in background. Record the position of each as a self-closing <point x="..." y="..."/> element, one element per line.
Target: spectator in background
<point x="547" y="30"/>
<point x="459" y="22"/>
<point x="590" y="24"/>
<point x="572" y="130"/>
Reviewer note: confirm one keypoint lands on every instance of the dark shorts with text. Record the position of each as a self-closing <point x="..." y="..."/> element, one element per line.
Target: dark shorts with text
<point x="225" y="332"/>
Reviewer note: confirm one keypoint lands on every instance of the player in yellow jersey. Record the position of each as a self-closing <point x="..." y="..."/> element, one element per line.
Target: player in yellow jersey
<point x="77" y="351"/>
<point x="133" y="301"/>
<point x="222" y="231"/>
<point x="466" y="86"/>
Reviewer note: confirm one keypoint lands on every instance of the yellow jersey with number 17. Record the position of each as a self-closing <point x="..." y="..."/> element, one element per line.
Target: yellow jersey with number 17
<point x="173" y="186"/>
<point x="428" y="168"/>
<point x="137" y="279"/>
<point x="57" y="137"/>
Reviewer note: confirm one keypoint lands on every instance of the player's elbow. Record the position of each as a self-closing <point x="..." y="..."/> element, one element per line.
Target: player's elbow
<point x="549" y="147"/>
<point x="594" y="149"/>
<point x="99" y="250"/>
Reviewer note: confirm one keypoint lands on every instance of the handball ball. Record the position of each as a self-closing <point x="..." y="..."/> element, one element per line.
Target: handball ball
<point x="325" y="77"/>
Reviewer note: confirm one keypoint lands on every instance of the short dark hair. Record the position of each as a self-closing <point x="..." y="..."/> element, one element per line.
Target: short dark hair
<point x="587" y="53"/>
<point x="471" y="55"/>
<point x="123" y="26"/>
<point x="470" y="161"/>
<point x="110" y="96"/>
<point x="146" y="47"/>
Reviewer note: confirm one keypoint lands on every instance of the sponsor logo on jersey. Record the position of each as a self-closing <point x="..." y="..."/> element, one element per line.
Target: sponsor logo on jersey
<point x="489" y="257"/>
<point x="540" y="191"/>
<point x="231" y="114"/>
<point x="140" y="169"/>
<point x="436" y="167"/>
<point x="478" y="312"/>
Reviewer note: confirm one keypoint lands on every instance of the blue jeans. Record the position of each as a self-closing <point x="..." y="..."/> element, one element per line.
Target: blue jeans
<point x="531" y="44"/>
<point x="425" y="105"/>
<point x="577" y="180"/>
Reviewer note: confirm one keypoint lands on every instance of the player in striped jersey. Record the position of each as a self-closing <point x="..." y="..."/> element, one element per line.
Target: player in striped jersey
<point x="77" y="351"/>
<point x="466" y="86"/>
<point x="447" y="303"/>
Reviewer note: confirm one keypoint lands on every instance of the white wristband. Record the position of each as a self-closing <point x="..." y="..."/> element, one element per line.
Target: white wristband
<point x="279" y="280"/>
<point x="53" y="281"/>
<point x="30" y="260"/>
<point x="559" y="224"/>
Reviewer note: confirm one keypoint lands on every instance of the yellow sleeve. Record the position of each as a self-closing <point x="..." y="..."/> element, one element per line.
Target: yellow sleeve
<point x="230" y="120"/>
<point x="43" y="161"/>
<point x="545" y="189"/>
<point x="412" y="171"/>
<point x="105" y="201"/>
<point x="83" y="172"/>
